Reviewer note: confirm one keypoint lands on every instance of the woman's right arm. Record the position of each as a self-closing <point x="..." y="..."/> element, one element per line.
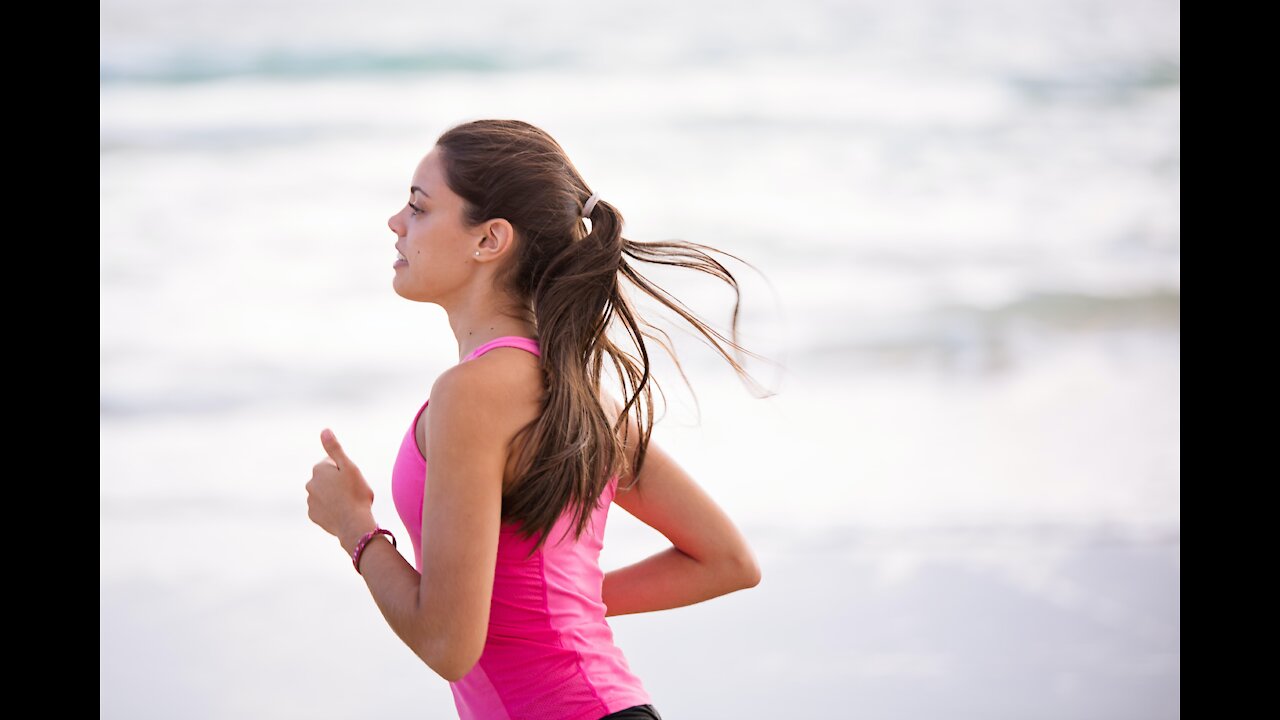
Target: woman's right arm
<point x="708" y="558"/>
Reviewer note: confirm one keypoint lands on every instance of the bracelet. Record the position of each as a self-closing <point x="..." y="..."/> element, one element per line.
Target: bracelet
<point x="355" y="556"/>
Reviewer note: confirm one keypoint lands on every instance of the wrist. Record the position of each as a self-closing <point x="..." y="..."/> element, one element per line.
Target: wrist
<point x="363" y="544"/>
<point x="354" y="531"/>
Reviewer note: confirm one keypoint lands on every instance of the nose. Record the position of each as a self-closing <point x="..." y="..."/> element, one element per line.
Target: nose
<point x="391" y="223"/>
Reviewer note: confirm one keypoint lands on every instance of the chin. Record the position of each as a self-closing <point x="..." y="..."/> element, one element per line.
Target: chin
<point x="414" y="294"/>
<point x="395" y="285"/>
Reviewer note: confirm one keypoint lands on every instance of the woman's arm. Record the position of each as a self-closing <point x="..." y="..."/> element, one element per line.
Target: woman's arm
<point x="671" y="579"/>
<point x="393" y="582"/>
<point x="340" y="500"/>
<point x="442" y="613"/>
<point x="709" y="557"/>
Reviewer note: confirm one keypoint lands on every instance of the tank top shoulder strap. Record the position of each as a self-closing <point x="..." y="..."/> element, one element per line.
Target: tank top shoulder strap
<point x="515" y="341"/>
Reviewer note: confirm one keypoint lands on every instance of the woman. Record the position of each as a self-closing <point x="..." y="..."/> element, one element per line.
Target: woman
<point x="506" y="599"/>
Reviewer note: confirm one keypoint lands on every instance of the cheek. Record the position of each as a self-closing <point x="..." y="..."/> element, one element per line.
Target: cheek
<point x="424" y="256"/>
<point x="422" y="239"/>
<point x="421" y="252"/>
<point x="425" y="246"/>
<point x="416" y="245"/>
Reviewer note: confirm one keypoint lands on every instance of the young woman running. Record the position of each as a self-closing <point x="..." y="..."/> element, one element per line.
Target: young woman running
<point x="506" y="599"/>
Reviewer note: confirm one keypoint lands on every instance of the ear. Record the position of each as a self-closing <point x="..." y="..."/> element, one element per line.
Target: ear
<point x="499" y="238"/>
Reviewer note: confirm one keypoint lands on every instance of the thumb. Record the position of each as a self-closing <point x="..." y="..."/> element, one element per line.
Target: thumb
<point x="334" y="449"/>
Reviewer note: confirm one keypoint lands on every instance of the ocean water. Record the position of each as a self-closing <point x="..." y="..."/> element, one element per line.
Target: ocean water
<point x="964" y="222"/>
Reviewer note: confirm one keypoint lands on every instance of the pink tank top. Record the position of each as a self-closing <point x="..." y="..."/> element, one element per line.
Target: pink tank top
<point x="549" y="653"/>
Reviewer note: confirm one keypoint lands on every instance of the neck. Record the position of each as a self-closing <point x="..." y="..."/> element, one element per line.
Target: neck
<point x="471" y="338"/>
<point x="481" y="320"/>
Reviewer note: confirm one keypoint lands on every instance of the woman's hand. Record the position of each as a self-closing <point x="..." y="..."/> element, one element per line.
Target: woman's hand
<point x="338" y="498"/>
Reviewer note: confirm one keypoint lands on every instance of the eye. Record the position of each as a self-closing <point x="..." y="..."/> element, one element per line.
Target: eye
<point x="415" y="210"/>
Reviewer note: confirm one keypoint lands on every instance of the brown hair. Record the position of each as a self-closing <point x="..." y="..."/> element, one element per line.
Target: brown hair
<point x="567" y="282"/>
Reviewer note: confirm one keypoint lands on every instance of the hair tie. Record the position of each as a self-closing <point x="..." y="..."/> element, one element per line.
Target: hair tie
<point x="591" y="204"/>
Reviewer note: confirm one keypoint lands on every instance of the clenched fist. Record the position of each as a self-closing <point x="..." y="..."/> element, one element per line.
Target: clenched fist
<point x="338" y="497"/>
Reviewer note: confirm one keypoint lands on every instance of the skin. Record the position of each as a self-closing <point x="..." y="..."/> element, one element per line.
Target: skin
<point x="475" y="410"/>
<point x="443" y="266"/>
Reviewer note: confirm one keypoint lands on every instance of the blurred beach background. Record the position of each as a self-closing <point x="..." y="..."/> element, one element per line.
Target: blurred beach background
<point x="964" y="494"/>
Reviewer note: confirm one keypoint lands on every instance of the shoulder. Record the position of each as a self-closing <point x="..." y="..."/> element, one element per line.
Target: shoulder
<point x="630" y="432"/>
<point x="501" y="385"/>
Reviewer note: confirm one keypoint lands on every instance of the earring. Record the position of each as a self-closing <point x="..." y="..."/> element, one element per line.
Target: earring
<point x="477" y="253"/>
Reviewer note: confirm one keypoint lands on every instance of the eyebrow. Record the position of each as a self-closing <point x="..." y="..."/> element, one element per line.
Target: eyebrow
<point x="415" y="188"/>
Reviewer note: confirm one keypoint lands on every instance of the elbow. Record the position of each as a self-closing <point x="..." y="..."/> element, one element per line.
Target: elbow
<point x="736" y="572"/>
<point x="453" y="671"/>
<point x="747" y="571"/>
<point x="453" y="663"/>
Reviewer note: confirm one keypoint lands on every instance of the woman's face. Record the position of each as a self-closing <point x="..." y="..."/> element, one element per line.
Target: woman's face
<point x="430" y="235"/>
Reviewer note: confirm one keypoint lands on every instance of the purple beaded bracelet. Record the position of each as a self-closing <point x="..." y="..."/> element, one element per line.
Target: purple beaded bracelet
<point x="355" y="556"/>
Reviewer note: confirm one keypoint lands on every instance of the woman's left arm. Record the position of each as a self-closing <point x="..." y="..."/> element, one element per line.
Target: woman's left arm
<point x="340" y="501"/>
<point x="442" y="613"/>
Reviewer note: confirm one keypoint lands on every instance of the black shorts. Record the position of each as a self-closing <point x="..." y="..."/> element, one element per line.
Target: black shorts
<point x="637" y="712"/>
